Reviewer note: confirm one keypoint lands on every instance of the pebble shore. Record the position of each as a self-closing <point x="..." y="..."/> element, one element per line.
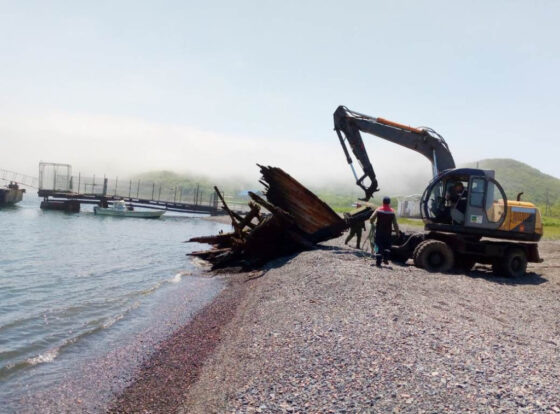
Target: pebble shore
<point x="325" y="331"/>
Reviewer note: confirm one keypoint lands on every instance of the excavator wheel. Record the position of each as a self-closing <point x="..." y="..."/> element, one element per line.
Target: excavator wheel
<point x="415" y="255"/>
<point x="513" y="264"/>
<point x="435" y="256"/>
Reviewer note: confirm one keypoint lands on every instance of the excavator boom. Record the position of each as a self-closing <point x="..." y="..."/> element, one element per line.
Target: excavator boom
<point x="349" y="125"/>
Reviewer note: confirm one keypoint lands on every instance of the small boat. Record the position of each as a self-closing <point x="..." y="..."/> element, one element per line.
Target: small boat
<point x="11" y="194"/>
<point x="120" y="209"/>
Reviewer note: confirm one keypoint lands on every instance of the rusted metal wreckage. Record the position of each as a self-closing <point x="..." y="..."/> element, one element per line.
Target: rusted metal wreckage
<point x="297" y="220"/>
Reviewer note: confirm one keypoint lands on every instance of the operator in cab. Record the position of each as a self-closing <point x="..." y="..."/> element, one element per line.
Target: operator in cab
<point x="384" y="219"/>
<point x="457" y="192"/>
<point x="457" y="198"/>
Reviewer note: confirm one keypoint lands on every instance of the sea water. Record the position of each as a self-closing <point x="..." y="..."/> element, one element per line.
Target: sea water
<point x="84" y="299"/>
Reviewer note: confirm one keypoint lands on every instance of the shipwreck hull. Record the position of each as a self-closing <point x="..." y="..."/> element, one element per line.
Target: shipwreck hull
<point x="296" y="220"/>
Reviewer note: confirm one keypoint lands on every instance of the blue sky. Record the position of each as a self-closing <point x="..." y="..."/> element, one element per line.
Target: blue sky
<point x="187" y="83"/>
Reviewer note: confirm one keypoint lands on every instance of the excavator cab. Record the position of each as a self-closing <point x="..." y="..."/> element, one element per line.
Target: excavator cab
<point x="480" y="209"/>
<point x="465" y="197"/>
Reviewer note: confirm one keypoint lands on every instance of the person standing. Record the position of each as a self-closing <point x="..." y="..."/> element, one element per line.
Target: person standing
<point x="356" y="230"/>
<point x="384" y="219"/>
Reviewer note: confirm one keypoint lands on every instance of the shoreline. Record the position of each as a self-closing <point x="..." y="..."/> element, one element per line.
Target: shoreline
<point x="96" y="317"/>
<point x="159" y="385"/>
<point x="88" y="379"/>
<point x="323" y="330"/>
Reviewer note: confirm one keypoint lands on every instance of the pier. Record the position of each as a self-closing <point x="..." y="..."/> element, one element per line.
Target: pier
<point x="61" y="190"/>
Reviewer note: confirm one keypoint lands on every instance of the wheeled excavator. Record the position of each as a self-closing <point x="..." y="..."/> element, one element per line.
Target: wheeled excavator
<point x="467" y="216"/>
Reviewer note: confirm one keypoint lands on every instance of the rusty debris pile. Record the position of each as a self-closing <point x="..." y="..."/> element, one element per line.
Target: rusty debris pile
<point x="297" y="219"/>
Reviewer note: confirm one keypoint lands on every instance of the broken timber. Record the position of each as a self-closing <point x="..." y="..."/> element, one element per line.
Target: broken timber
<point x="298" y="220"/>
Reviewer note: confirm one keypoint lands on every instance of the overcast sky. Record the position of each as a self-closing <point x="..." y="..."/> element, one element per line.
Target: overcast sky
<point x="214" y="87"/>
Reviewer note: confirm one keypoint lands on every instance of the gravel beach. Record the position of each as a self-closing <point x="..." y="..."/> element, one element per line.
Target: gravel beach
<point x="324" y="331"/>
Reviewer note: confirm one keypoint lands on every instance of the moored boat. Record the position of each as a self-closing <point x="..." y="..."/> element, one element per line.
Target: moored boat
<point x="120" y="209"/>
<point x="11" y="194"/>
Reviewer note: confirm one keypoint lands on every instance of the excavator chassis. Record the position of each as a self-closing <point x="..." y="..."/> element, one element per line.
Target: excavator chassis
<point x="440" y="251"/>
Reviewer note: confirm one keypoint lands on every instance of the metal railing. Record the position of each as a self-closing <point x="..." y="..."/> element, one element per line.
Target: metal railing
<point x="140" y="190"/>
<point x="22" y="179"/>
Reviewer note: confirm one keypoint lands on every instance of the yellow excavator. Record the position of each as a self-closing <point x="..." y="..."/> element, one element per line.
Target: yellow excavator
<point x="467" y="216"/>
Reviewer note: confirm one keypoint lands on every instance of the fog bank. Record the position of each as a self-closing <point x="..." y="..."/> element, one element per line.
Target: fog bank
<point x="121" y="146"/>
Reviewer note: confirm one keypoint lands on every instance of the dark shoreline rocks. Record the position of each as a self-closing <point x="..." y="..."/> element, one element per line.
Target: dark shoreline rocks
<point x="160" y="384"/>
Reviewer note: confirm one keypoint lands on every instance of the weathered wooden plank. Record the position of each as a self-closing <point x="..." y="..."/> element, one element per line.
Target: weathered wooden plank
<point x="298" y="220"/>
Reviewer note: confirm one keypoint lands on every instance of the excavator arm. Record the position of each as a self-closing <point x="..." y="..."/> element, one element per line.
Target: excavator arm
<point x="349" y="125"/>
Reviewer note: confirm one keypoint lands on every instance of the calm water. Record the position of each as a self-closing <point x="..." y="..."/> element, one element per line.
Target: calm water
<point x="86" y="296"/>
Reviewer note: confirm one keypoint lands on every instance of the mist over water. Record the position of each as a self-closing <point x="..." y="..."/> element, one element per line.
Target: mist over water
<point x="126" y="146"/>
<point x="75" y="288"/>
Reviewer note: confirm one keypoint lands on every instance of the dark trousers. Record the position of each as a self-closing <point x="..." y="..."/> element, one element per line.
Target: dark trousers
<point x="383" y="243"/>
<point x="358" y="234"/>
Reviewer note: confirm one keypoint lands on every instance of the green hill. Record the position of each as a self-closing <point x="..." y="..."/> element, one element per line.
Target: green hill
<point x="172" y="178"/>
<point x="515" y="177"/>
<point x="232" y="187"/>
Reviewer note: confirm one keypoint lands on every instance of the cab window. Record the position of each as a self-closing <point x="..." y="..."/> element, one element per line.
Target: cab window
<point x="478" y="187"/>
<point x="495" y="205"/>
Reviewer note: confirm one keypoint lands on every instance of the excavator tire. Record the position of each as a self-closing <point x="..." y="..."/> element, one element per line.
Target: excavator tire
<point x="415" y="255"/>
<point x="435" y="256"/>
<point x="513" y="264"/>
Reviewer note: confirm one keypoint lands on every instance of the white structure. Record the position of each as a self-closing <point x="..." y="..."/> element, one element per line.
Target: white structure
<point x="55" y="176"/>
<point x="409" y="206"/>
